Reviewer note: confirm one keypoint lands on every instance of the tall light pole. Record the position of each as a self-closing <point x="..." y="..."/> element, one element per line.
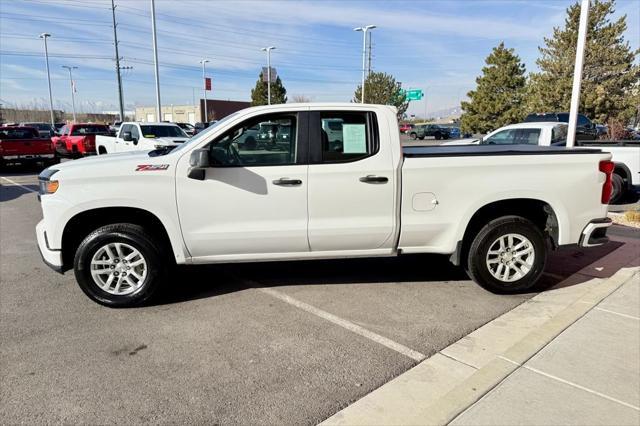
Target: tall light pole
<point x="364" y="30"/>
<point x="577" y="73"/>
<point x="46" y="58"/>
<point x="73" y="98"/>
<point x="155" y="60"/>
<point x="268" y="50"/>
<point x="204" y="89"/>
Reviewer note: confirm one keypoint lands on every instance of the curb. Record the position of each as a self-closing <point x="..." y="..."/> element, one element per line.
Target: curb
<point x="443" y="386"/>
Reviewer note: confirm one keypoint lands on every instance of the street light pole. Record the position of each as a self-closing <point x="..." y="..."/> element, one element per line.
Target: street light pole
<point x="577" y="73"/>
<point x="44" y="36"/>
<point x="155" y="60"/>
<point x="204" y="90"/>
<point x="364" y="30"/>
<point x="268" y="50"/>
<point x="73" y="98"/>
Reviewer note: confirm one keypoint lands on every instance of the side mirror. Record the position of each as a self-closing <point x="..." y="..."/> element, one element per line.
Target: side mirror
<point x="126" y="136"/>
<point x="199" y="162"/>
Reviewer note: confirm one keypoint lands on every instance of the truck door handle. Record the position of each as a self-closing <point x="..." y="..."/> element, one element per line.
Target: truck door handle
<point x="287" y="182"/>
<point x="374" y="179"/>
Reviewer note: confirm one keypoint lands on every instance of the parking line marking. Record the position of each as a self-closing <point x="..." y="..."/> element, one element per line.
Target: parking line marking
<point x="416" y="356"/>
<point x="17" y="184"/>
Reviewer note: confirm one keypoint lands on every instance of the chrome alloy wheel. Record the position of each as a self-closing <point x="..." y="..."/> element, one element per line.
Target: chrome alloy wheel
<point x="510" y="257"/>
<point x="118" y="269"/>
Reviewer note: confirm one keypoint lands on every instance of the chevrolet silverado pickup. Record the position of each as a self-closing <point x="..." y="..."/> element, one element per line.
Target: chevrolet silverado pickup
<point x="141" y="137"/>
<point x="24" y="145"/>
<point x="78" y="139"/>
<point x="120" y="221"/>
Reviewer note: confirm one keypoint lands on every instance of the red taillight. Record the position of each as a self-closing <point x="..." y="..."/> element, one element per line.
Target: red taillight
<point x="606" y="167"/>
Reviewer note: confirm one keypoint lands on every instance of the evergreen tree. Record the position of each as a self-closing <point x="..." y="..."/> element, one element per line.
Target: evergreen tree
<point x="499" y="94"/>
<point x="259" y="93"/>
<point x="382" y="88"/>
<point x="609" y="72"/>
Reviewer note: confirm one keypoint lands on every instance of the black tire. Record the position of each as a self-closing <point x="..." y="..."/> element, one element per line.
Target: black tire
<point x="618" y="188"/>
<point x="421" y="138"/>
<point x="438" y="136"/>
<point x="135" y="236"/>
<point x="413" y="136"/>
<point x="477" y="258"/>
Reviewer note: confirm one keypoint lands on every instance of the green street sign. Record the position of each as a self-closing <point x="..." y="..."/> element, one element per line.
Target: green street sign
<point x="414" y="94"/>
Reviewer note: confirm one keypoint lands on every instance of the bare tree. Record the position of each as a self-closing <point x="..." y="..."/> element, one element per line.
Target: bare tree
<point x="300" y="99"/>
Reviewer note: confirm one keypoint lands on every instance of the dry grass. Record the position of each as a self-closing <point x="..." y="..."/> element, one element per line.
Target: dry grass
<point x="632" y="216"/>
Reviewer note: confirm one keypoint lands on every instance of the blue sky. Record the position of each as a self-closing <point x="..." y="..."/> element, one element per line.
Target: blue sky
<point x="439" y="46"/>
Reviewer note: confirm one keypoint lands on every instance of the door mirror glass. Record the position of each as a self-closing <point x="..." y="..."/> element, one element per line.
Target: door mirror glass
<point x="126" y="136"/>
<point x="199" y="162"/>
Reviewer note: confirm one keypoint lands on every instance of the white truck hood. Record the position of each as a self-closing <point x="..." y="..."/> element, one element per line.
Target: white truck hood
<point x="120" y="164"/>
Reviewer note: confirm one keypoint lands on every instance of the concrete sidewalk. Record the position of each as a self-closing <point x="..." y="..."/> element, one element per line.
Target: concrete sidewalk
<point x="570" y="355"/>
<point x="589" y="374"/>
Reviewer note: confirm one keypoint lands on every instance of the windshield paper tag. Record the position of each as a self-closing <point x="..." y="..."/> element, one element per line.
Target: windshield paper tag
<point x="151" y="167"/>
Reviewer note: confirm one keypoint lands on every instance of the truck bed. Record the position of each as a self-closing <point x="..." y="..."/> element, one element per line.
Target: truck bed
<point x="492" y="150"/>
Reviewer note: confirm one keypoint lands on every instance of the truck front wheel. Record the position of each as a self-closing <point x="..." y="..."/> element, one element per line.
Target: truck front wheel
<point x="508" y="255"/>
<point x="119" y="265"/>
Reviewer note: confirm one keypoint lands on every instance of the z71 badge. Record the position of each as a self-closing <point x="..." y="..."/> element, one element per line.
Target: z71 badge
<point x="151" y="167"/>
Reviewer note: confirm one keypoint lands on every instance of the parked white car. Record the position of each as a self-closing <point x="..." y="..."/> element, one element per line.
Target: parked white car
<point x="121" y="221"/>
<point x="625" y="155"/>
<point x="134" y="136"/>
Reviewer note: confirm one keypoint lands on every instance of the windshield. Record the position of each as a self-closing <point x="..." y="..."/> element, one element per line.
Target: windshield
<point x="151" y="132"/>
<point x="204" y="134"/>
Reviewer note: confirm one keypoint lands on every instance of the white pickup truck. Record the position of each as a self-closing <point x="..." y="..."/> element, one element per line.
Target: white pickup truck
<point x="239" y="193"/>
<point x="135" y="136"/>
<point x="625" y="154"/>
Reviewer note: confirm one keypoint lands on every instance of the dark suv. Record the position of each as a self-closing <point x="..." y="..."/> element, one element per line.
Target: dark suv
<point x="420" y="131"/>
<point x="585" y="129"/>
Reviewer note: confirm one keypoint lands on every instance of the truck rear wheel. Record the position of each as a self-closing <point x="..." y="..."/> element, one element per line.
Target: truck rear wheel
<point x="508" y="255"/>
<point x="119" y="265"/>
<point x="413" y="136"/>
<point x="617" y="192"/>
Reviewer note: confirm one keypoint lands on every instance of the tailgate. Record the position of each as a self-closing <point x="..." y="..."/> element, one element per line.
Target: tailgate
<point x="10" y="147"/>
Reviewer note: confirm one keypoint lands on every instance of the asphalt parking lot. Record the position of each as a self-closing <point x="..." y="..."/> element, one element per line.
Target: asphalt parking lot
<point x="285" y="343"/>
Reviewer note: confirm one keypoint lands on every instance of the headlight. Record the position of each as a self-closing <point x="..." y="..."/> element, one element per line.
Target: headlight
<point x="45" y="184"/>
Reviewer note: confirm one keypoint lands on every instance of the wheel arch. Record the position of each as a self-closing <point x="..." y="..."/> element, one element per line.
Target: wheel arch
<point x="83" y="223"/>
<point x="540" y="212"/>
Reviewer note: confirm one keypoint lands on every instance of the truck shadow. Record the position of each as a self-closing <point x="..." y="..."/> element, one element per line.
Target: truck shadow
<point x="197" y="282"/>
<point x="10" y="192"/>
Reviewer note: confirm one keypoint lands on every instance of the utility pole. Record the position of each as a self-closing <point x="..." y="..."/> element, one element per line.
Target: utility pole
<point x="115" y="43"/>
<point x="73" y="98"/>
<point x="204" y="89"/>
<point x="155" y="60"/>
<point x="44" y="36"/>
<point x="364" y="30"/>
<point x="268" y="50"/>
<point x="577" y="73"/>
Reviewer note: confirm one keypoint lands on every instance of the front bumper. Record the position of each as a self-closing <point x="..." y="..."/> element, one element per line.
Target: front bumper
<point x="52" y="258"/>
<point x="595" y="233"/>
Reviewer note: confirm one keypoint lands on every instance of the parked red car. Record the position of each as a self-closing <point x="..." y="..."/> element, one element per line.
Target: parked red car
<point x="404" y="128"/>
<point x="79" y="139"/>
<point x="24" y="145"/>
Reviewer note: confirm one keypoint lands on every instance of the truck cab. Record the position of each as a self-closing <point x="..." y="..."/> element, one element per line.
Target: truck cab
<point x="133" y="136"/>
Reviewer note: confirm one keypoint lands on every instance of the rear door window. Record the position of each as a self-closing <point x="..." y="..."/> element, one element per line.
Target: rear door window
<point x="346" y="136"/>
